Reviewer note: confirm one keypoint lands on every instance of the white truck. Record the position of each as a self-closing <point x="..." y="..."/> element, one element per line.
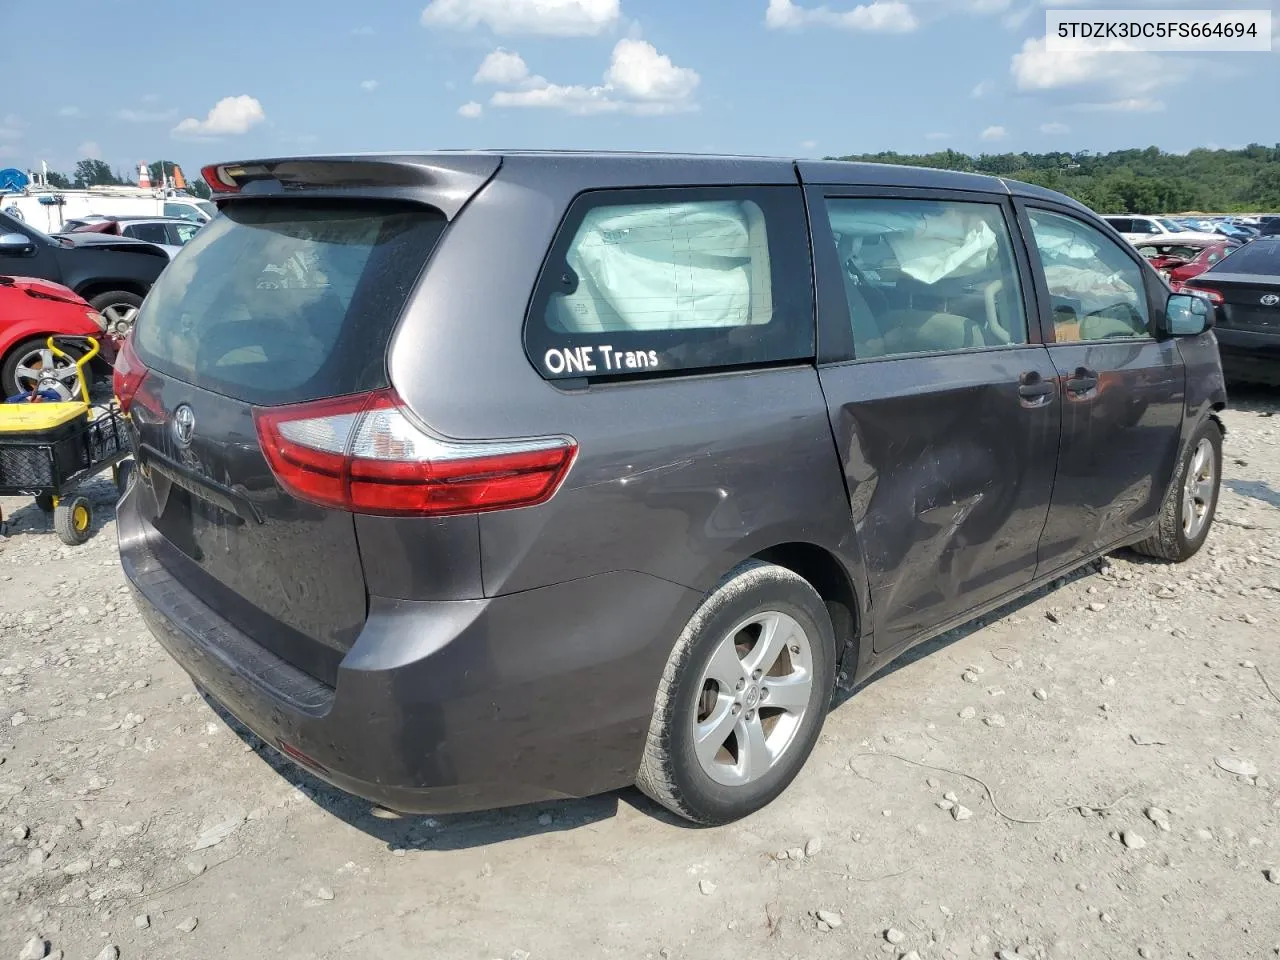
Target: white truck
<point x="47" y="209"/>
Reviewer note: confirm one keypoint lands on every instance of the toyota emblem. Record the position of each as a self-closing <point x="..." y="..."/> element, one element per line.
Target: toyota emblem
<point x="184" y="424"/>
<point x="1270" y="300"/>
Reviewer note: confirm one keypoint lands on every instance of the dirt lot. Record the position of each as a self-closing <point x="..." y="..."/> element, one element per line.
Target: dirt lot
<point x="1112" y="748"/>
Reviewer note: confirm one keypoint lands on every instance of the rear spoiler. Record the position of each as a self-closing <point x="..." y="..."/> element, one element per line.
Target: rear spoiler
<point x="448" y="181"/>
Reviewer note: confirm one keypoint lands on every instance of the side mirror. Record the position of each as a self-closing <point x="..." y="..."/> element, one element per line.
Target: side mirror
<point x="1186" y="315"/>
<point x="16" y="244"/>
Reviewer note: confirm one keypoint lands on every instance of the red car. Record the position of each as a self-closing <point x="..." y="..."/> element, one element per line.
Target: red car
<point x="1193" y="268"/>
<point x="32" y="310"/>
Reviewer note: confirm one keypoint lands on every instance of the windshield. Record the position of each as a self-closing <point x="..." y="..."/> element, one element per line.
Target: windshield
<point x="9" y="225"/>
<point x="208" y="208"/>
<point x="1262" y="257"/>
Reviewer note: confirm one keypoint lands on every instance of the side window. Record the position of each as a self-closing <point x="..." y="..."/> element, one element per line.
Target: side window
<point x="150" y="232"/>
<point x="1145" y="226"/>
<point x="180" y="233"/>
<point x="1121" y="224"/>
<point x="646" y="282"/>
<point x="180" y="210"/>
<point x="1213" y="258"/>
<point x="926" y="276"/>
<point x="1095" y="289"/>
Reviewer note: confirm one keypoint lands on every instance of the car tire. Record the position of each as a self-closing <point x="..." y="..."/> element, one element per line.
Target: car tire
<point x="1192" y="501"/>
<point x="718" y="750"/>
<point x="119" y="308"/>
<point x="122" y="474"/>
<point x="9" y="369"/>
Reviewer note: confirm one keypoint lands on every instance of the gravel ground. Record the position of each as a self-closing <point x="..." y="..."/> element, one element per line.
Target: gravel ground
<point x="1093" y="773"/>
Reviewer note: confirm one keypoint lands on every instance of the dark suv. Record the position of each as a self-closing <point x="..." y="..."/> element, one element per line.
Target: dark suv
<point x="472" y="479"/>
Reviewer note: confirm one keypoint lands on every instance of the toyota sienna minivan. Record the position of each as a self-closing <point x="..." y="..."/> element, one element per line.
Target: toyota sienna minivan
<point x="476" y="479"/>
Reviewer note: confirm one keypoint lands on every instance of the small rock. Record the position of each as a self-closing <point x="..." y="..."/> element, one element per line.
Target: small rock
<point x="782" y="855"/>
<point x="1144" y="953"/>
<point x="20" y="832"/>
<point x="544" y="820"/>
<point x="195" y="867"/>
<point x="1204" y="834"/>
<point x="188" y="925"/>
<point x="217" y="833"/>
<point x="944" y="804"/>
<point x="520" y="955"/>
<point x="382" y="813"/>
<point x="796" y="853"/>
<point x="1106" y="917"/>
<point x="951" y="795"/>
<point x="1097" y="606"/>
<point x="1237" y="765"/>
<point x="813" y="847"/>
<point x="706" y="887"/>
<point x="1272" y="874"/>
<point x="1108" y="681"/>
<point x="109" y="952"/>
<point x="141" y="922"/>
<point x="894" y="936"/>
<point x="830" y="918"/>
<point x="324" y="893"/>
<point x="1040" y="693"/>
<point x="1159" y="817"/>
<point x="968" y="677"/>
<point x="1132" y="840"/>
<point x="36" y="857"/>
<point x="910" y="955"/>
<point x="77" y="867"/>
<point x="968" y="713"/>
<point x="931" y="783"/>
<point x="995" y="720"/>
<point x="1082" y="888"/>
<point x="961" y="812"/>
<point x="1052" y="617"/>
<point x="35" y="949"/>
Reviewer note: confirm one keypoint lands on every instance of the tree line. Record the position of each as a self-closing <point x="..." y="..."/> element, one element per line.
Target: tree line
<point x="96" y="173"/>
<point x="1130" y="181"/>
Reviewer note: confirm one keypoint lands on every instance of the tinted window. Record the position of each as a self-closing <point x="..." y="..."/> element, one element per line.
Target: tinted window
<point x="1144" y="226"/>
<point x="927" y="275"/>
<point x="1095" y="289"/>
<point x="1259" y="257"/>
<point x="1121" y="224"/>
<point x="150" y="232"/>
<point x="645" y="281"/>
<point x="279" y="302"/>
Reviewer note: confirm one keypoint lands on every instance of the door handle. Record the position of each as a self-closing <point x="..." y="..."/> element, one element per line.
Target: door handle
<point x="1082" y="381"/>
<point x="1034" y="389"/>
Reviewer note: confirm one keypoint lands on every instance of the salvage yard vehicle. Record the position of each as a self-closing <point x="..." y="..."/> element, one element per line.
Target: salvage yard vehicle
<point x="30" y="311"/>
<point x="718" y="432"/>
<point x="112" y="273"/>
<point x="1244" y="289"/>
<point x="1141" y="229"/>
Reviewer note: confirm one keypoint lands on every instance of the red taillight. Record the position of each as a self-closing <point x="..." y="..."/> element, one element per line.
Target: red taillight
<point x="1213" y="296"/>
<point x="218" y="179"/>
<point x="128" y="376"/>
<point x="365" y="454"/>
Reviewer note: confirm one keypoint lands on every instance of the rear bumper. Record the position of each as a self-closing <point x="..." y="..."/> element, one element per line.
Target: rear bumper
<point x="443" y="706"/>
<point x="1247" y="355"/>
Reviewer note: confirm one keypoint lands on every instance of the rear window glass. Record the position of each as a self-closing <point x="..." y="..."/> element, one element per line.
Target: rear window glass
<point x="283" y="301"/>
<point x="1260" y="256"/>
<point x="646" y="282"/>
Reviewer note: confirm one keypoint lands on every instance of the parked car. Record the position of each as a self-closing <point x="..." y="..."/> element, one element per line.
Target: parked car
<point x="1202" y="261"/>
<point x="1164" y="257"/>
<point x="112" y="273"/>
<point x="31" y="311"/>
<point x="1244" y="288"/>
<point x="1140" y="229"/>
<point x="171" y="233"/>
<point x="1236" y="231"/>
<point x="453" y="537"/>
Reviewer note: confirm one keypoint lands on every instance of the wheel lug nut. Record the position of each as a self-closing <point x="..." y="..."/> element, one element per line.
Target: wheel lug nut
<point x="741" y="684"/>
<point x="751" y="714"/>
<point x="756" y="675"/>
<point x="764" y="693"/>
<point x="795" y="648"/>
<point x="737" y="709"/>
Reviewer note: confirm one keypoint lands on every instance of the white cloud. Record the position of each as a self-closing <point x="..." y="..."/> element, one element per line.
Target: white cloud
<point x="502" y="68"/>
<point x="365" y="31"/>
<point x="982" y="89"/>
<point x="1127" y="105"/>
<point x="89" y="150"/>
<point x="1054" y="128"/>
<point x="368" y="86"/>
<point x="70" y="112"/>
<point x="129" y="115"/>
<point x="937" y="136"/>
<point x="639" y="71"/>
<point x="994" y="133"/>
<point x="471" y="111"/>
<point x="230" y="115"/>
<point x="561" y="18"/>
<point x="1036" y="68"/>
<point x="151" y="98"/>
<point x="639" y="81"/>
<point x="879" y="16"/>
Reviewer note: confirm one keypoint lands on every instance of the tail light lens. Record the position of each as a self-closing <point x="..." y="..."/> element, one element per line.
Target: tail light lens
<point x="1213" y="296"/>
<point x="365" y="454"/>
<point x="128" y="376"/>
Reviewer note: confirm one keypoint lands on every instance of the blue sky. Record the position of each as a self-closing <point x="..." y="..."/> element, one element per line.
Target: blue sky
<point x="788" y="77"/>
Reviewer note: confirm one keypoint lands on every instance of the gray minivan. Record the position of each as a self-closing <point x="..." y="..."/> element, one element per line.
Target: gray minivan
<point x="476" y="479"/>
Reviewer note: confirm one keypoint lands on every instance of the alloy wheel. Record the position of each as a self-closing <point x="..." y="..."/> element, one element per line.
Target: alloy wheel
<point x="1198" y="490"/>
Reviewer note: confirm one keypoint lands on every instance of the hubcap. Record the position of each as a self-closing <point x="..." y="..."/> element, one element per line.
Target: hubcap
<point x="119" y="317"/>
<point x="753" y="698"/>
<point x="40" y="368"/>
<point x="1198" y="490"/>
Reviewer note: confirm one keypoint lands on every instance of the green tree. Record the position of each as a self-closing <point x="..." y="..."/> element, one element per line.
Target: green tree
<point x="58" y="181"/>
<point x="198" y="187"/>
<point x="95" y="173"/>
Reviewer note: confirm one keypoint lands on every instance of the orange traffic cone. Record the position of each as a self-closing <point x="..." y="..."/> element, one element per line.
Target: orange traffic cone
<point x="144" y="176"/>
<point x="179" y="182"/>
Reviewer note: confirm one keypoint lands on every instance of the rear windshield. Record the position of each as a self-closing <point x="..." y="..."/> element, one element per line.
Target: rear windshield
<point x="1260" y="256"/>
<point x="283" y="301"/>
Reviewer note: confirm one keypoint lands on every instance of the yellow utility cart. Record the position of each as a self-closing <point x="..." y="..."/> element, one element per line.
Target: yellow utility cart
<point x="49" y="445"/>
